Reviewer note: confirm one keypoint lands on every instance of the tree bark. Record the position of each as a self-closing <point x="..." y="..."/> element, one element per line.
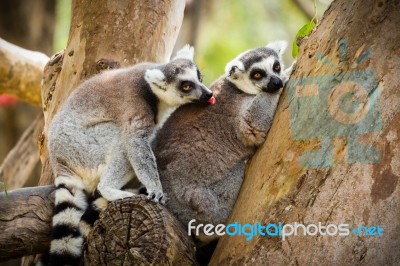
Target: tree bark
<point x="25" y="221"/>
<point x="21" y="72"/>
<point x="134" y="230"/>
<point x="332" y="154"/>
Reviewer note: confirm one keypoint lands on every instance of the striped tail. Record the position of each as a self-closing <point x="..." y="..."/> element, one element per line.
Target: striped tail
<point x="58" y="255"/>
<point x="67" y="239"/>
<point x="96" y="204"/>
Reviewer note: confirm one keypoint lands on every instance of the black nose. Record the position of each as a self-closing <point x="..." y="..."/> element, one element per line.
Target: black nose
<point x="206" y="96"/>
<point x="274" y="84"/>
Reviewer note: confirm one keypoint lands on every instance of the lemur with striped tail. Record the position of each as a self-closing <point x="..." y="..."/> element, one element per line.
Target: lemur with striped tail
<point x="100" y="139"/>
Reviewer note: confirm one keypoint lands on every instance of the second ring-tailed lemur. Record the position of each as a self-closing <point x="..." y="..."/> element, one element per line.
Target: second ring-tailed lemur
<point x="100" y="139"/>
<point x="201" y="152"/>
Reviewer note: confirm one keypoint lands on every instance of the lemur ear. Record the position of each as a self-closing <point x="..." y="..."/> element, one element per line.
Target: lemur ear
<point x="278" y="46"/>
<point x="155" y="76"/>
<point x="187" y="52"/>
<point x="234" y="68"/>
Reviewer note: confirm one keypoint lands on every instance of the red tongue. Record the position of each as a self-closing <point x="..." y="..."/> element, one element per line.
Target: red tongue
<point x="211" y="100"/>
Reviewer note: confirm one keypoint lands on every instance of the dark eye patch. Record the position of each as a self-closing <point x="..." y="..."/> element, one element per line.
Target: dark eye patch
<point x="276" y="67"/>
<point x="186" y="86"/>
<point x="257" y="74"/>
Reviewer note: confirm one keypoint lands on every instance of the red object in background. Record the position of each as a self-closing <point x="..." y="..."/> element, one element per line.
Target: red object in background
<point x="6" y="99"/>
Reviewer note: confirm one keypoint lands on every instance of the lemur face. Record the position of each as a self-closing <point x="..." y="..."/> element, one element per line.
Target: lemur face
<point x="179" y="81"/>
<point x="259" y="69"/>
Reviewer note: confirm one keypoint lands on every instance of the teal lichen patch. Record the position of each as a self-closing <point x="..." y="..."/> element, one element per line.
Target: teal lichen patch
<point x="338" y="104"/>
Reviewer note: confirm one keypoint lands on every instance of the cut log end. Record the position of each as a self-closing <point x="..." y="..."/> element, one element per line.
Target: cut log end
<point x="138" y="231"/>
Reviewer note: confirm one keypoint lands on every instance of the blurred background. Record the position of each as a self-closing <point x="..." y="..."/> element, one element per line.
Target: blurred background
<point x="218" y="29"/>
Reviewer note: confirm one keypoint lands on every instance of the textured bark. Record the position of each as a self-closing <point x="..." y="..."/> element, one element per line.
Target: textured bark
<point x="137" y="231"/>
<point x="21" y="72"/>
<point x="109" y="35"/>
<point x="25" y="218"/>
<point x="351" y="175"/>
<point x="133" y="230"/>
<point x="16" y="169"/>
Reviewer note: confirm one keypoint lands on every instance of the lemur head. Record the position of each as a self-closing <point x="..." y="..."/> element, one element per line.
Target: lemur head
<point x="259" y="69"/>
<point x="179" y="81"/>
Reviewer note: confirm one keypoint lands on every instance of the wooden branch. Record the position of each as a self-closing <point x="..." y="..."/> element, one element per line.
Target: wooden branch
<point x="141" y="232"/>
<point x="21" y="72"/>
<point x="17" y="167"/>
<point x="133" y="229"/>
<point x="25" y="217"/>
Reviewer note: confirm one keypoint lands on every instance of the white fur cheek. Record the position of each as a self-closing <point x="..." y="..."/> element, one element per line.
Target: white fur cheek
<point x="245" y="85"/>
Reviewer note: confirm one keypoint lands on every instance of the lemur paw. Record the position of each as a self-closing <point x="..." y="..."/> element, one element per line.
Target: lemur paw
<point x="115" y="194"/>
<point x="157" y="197"/>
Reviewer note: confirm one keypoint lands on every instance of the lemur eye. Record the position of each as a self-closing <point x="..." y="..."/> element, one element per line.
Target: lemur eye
<point x="277" y="67"/>
<point x="186" y="86"/>
<point x="257" y="75"/>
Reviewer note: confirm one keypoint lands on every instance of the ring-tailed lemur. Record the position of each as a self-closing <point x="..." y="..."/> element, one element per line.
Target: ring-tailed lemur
<point x="101" y="138"/>
<point x="201" y="152"/>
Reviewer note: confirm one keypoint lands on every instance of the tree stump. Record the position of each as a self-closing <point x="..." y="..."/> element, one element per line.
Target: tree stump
<point x="140" y="232"/>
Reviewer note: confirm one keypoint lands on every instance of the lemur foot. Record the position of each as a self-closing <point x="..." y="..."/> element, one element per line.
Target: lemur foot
<point x="157" y="197"/>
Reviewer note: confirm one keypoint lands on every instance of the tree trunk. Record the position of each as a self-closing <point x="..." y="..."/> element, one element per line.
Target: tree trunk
<point x="333" y="152"/>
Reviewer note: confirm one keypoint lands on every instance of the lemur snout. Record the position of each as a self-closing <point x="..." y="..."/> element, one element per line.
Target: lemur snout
<point x="207" y="97"/>
<point x="274" y="84"/>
